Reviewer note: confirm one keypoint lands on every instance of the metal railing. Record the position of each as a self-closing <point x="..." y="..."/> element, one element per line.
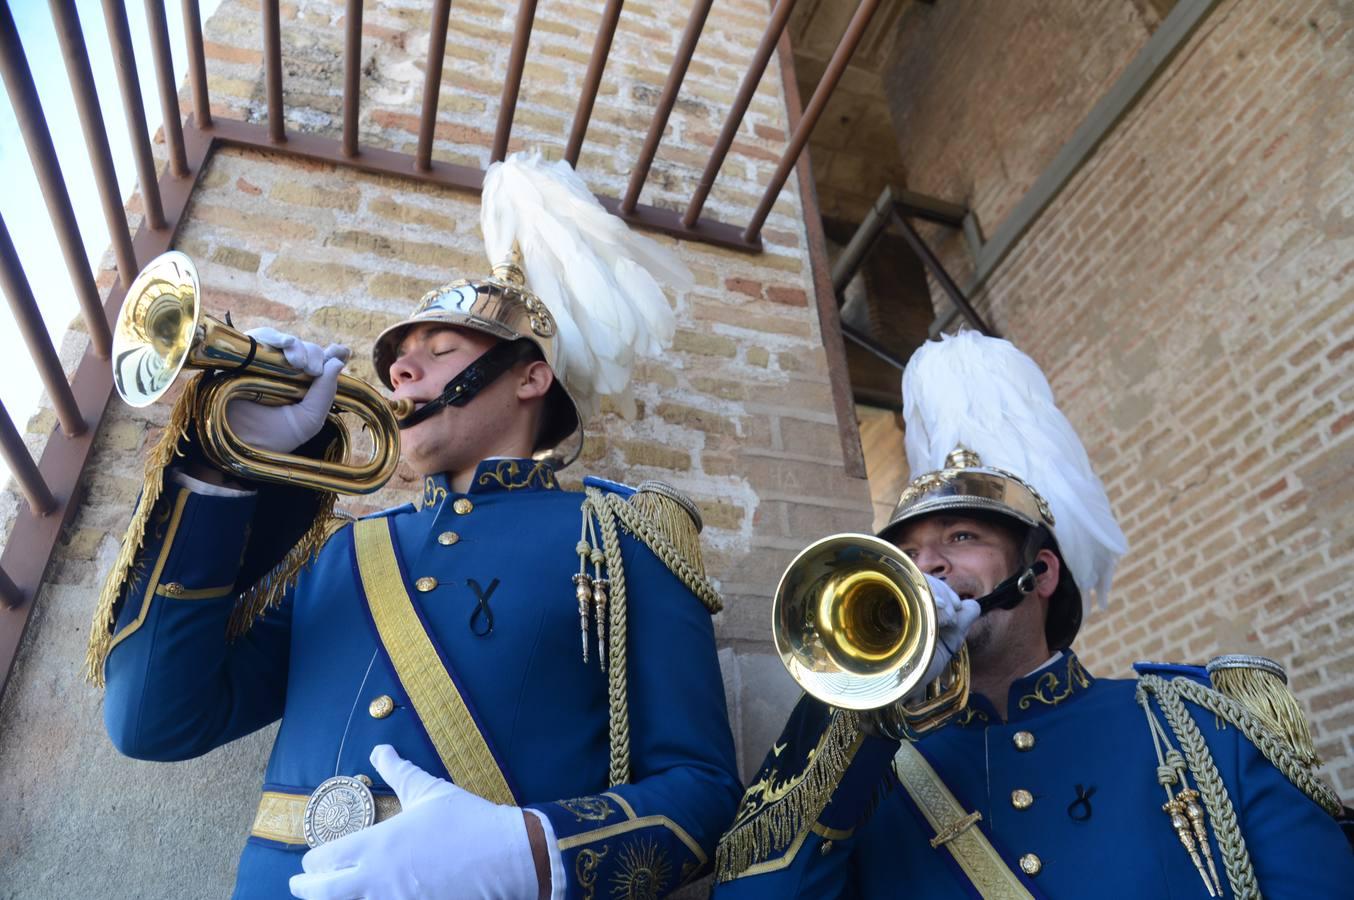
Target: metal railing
<point x="49" y="484"/>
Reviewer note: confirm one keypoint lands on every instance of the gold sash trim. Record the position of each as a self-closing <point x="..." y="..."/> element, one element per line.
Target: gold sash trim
<point x="977" y="858"/>
<point x="439" y="705"/>
<point x="281" y="817"/>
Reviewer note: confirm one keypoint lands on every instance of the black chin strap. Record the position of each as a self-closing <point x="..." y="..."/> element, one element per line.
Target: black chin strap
<point x="1010" y="592"/>
<point x="477" y="376"/>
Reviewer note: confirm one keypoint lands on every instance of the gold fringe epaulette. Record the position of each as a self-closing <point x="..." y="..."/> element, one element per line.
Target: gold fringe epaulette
<point x="669" y="524"/>
<point x="1261" y="685"/>
<point x="775" y="813"/>
<point x="160" y="456"/>
<point x="267" y="592"/>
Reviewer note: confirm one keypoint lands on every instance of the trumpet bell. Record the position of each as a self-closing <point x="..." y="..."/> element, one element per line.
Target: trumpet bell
<point x="854" y="622"/>
<point x="155" y="329"/>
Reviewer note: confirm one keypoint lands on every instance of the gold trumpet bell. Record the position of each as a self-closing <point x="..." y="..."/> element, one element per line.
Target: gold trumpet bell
<point x="155" y="329"/>
<point x="854" y="622"/>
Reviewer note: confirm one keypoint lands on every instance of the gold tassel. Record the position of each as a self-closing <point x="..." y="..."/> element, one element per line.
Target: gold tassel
<point x="1261" y="685"/>
<point x="675" y="516"/>
<point x="771" y="815"/>
<point x="160" y="456"/>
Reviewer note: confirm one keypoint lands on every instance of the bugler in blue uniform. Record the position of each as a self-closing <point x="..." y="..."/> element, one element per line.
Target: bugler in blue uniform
<point x="550" y="651"/>
<point x="1183" y="783"/>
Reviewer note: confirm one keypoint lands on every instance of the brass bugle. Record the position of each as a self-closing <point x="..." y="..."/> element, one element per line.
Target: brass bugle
<point x="855" y="624"/>
<point x="161" y="330"/>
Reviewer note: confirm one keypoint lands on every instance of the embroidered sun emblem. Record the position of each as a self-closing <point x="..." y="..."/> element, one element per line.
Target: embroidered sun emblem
<point x="642" y="872"/>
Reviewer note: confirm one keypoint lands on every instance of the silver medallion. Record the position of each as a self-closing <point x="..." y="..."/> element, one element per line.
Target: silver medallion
<point x="339" y="806"/>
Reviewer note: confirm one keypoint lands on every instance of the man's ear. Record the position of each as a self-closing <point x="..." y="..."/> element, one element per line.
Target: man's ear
<point x="1047" y="583"/>
<point x="535" y="380"/>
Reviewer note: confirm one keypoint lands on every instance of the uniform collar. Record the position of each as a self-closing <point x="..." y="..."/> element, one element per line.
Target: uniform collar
<point x="492" y="475"/>
<point x="1058" y="681"/>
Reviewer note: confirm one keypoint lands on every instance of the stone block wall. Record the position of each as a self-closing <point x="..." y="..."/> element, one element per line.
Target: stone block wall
<point x="738" y="414"/>
<point x="1190" y="295"/>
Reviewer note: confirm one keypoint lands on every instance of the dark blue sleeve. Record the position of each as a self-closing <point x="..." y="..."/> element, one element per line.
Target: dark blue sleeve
<point x="659" y="831"/>
<point x="808" y="857"/>
<point x="177" y="686"/>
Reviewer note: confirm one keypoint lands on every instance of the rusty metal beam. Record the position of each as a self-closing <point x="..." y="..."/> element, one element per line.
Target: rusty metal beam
<point x="517" y="60"/>
<point x="272" y="69"/>
<point x="164" y="80"/>
<point x="799" y="139"/>
<point x="695" y="24"/>
<point x="124" y="61"/>
<point x="29" y="319"/>
<point x="28" y="111"/>
<point x="197" y="61"/>
<point x="352" y="76"/>
<point x="756" y="69"/>
<point x="432" y="85"/>
<point x="72" y="40"/>
<point x="942" y="277"/>
<point x="592" y="81"/>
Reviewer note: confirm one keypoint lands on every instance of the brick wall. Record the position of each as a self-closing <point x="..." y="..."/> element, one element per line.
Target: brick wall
<point x="1189" y="294"/>
<point x="739" y="413"/>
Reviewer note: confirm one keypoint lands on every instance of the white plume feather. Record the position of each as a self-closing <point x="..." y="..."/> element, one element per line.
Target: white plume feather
<point x="984" y="394"/>
<point x="602" y="282"/>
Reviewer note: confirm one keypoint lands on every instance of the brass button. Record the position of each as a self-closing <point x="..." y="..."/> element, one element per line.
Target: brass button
<point x="1022" y="799"/>
<point x="825" y="848"/>
<point x="173" y="589"/>
<point x="426" y="583"/>
<point x="1023" y="740"/>
<point x="381" y="707"/>
<point x="447" y="538"/>
<point x="462" y="506"/>
<point x="1030" y="864"/>
<point x="364" y="779"/>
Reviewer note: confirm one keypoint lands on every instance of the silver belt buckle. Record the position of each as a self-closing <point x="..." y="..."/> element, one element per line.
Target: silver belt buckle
<point x="340" y="806"/>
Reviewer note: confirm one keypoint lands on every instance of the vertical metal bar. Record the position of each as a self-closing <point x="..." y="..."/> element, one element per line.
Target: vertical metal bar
<point x="164" y="80"/>
<point x="21" y="464"/>
<point x="779" y="16"/>
<point x="695" y="23"/>
<point x="517" y="60"/>
<point x="120" y="39"/>
<point x="72" y="40"/>
<point x="272" y="65"/>
<point x="432" y="85"/>
<point x="29" y="319"/>
<point x="10" y="595"/>
<point x="352" y="75"/>
<point x="593" y="79"/>
<point x="821" y="94"/>
<point x="197" y="63"/>
<point x="942" y="277"/>
<point x="28" y="111"/>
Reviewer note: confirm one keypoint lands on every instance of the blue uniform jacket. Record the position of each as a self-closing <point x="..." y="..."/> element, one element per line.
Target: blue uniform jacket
<point x="177" y="688"/>
<point x="1095" y="824"/>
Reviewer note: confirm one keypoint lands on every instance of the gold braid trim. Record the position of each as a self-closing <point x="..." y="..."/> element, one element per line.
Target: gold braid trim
<point x="617" y="681"/>
<point x="1282" y="755"/>
<point x="268" y="591"/>
<point x="1226" y="828"/>
<point x="774" y="814"/>
<point x="160" y="456"/>
<point x="684" y="564"/>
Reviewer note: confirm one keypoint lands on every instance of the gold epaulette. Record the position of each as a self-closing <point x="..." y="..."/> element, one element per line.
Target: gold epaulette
<point x="669" y="523"/>
<point x="157" y="460"/>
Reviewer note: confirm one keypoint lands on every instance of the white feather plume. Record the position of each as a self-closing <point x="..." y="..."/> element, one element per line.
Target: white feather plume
<point x="984" y="394"/>
<point x="601" y="281"/>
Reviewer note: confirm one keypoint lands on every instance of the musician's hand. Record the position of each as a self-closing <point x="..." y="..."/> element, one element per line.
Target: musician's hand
<point x="445" y="842"/>
<point x="954" y="617"/>
<point x="281" y="429"/>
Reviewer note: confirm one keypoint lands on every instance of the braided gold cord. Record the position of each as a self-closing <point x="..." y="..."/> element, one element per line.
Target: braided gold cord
<point x="643" y="528"/>
<point x="1280" y="754"/>
<point x="617" y="682"/>
<point x="1240" y="873"/>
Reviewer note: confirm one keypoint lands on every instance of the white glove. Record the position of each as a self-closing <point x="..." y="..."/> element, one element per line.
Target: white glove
<point x="954" y="617"/>
<point x="281" y="429"/>
<point x="445" y="842"/>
